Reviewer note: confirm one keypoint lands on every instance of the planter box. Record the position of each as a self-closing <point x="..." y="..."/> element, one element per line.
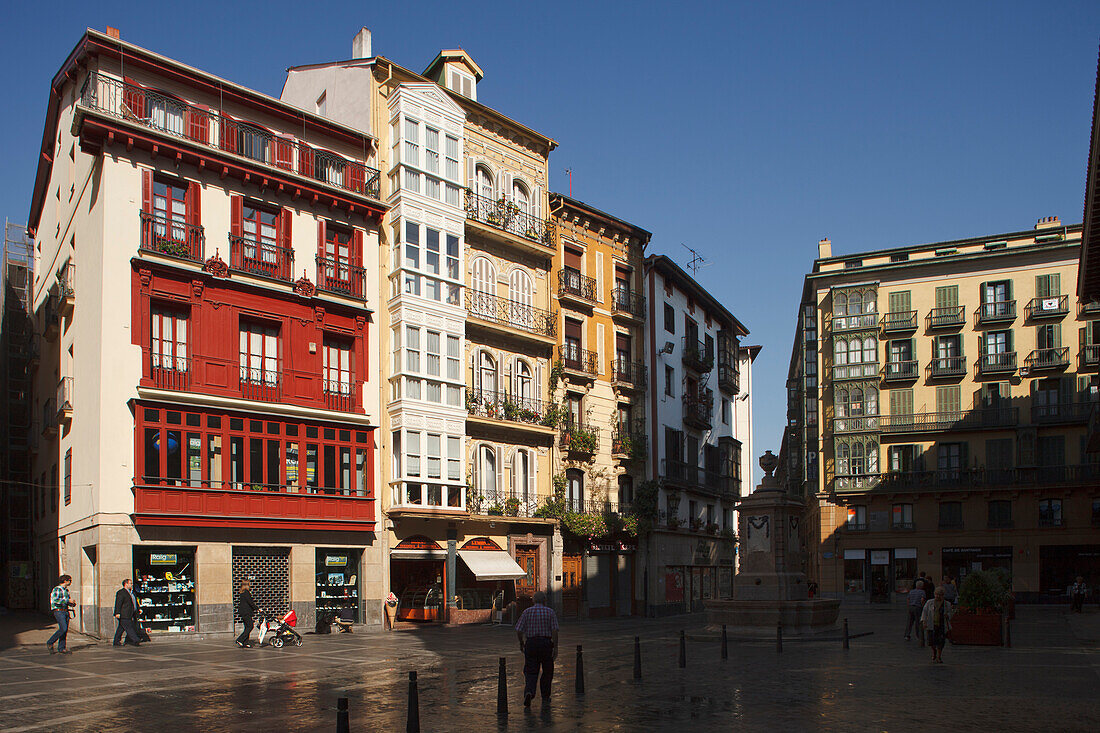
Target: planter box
<point x="977" y="629"/>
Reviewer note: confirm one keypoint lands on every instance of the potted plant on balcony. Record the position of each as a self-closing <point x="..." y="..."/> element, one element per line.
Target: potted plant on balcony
<point x="511" y="506"/>
<point x="511" y="409"/>
<point x="673" y="522"/>
<point x="712" y="528"/>
<point x="983" y="599"/>
<point x="696" y="524"/>
<point x="495" y="510"/>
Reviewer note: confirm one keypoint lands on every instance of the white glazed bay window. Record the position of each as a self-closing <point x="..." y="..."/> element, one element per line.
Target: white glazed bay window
<point x="429" y="159"/>
<point x="427" y="469"/>
<point x="428" y="259"/>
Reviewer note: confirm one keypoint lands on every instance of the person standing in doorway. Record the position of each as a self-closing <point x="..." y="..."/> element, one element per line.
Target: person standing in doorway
<point x="1077" y="593"/>
<point x="126" y="610"/>
<point x="246" y="608"/>
<point x="916" y="605"/>
<point x="936" y="617"/>
<point x="59" y="606"/>
<point x="537" y="630"/>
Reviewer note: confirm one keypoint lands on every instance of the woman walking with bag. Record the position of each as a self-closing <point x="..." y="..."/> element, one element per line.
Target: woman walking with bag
<point x="936" y="617"/>
<point x="246" y="607"/>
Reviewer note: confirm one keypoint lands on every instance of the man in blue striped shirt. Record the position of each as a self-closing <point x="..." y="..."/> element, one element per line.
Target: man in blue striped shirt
<point x="537" y="630"/>
<point x="59" y="605"/>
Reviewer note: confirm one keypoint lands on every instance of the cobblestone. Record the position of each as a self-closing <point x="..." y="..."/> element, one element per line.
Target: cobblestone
<point x="1048" y="680"/>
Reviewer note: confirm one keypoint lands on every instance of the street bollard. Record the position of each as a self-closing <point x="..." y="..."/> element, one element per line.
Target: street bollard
<point x="845" y="633"/>
<point x="502" y="690"/>
<point x="725" y="649"/>
<point x="683" y="650"/>
<point x="580" y="672"/>
<point x="1008" y="634"/>
<point x="413" y="724"/>
<point x="342" y="723"/>
<point x="779" y="636"/>
<point x="637" y="657"/>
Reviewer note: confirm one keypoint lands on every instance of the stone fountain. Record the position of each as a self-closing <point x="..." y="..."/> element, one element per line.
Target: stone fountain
<point x="768" y="589"/>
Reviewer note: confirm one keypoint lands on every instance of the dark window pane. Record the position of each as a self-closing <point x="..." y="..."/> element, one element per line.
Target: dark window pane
<point x="194" y="420"/>
<point x="173" y="418"/>
<point x="152" y="455"/>
<point x="152" y="416"/>
<point x="273" y="428"/>
<point x="292" y="430"/>
<point x="236" y="423"/>
<point x="213" y="421"/>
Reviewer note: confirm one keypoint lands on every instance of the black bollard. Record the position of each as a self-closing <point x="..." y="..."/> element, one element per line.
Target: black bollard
<point x="683" y="650"/>
<point x="413" y="724"/>
<point x="502" y="690"/>
<point x="1008" y="634"/>
<point x="845" y="633"/>
<point x="779" y="636"/>
<point x="637" y="657"/>
<point x="342" y="723"/>
<point x="580" y="672"/>
<point x="725" y="649"/>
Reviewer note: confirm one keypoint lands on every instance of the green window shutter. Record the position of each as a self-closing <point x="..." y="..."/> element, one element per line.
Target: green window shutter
<point x="1057" y="328"/>
<point x="901" y="402"/>
<point x="981" y="292"/>
<point x="900" y="302"/>
<point x="1055" y="284"/>
<point x="947" y="296"/>
<point x="948" y="399"/>
<point x="964" y="457"/>
<point x="1042" y="286"/>
<point x="1008" y="290"/>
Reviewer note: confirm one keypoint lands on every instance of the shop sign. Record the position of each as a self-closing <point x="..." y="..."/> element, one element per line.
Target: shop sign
<point x="420" y="542"/>
<point x="880" y="557"/>
<point x="336" y="561"/>
<point x="612" y="547"/>
<point x="481" y="543"/>
<point x="1000" y="553"/>
<point x="162" y="558"/>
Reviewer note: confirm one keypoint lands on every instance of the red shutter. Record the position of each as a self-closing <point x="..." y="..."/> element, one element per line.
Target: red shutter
<point x="198" y="124"/>
<point x="147" y="191"/>
<point x="236" y="215"/>
<point x="283" y="152"/>
<point x="357" y="280"/>
<point x="305" y="160"/>
<point x="355" y="177"/>
<point x="286" y="254"/>
<point x="133" y="97"/>
<point x="321" y="270"/>
<point x="194" y="204"/>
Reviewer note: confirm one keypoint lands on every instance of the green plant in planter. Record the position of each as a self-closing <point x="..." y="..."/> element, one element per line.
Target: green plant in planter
<point x="673" y="522"/>
<point x="552" y="418"/>
<point x="511" y="506"/>
<point x="585" y="525"/>
<point x="728" y="535"/>
<point x="986" y="591"/>
<point x="473" y="498"/>
<point x="511" y="409"/>
<point x="639" y="451"/>
<point x="712" y="528"/>
<point x="631" y="525"/>
<point x="471" y="401"/>
<point x="495" y="510"/>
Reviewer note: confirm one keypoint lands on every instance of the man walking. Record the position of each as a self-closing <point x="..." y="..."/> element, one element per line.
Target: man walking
<point x="537" y="630"/>
<point x="246" y="607"/>
<point x="126" y="610"/>
<point x="916" y="605"/>
<point x="60" y="605"/>
<point x="1077" y="593"/>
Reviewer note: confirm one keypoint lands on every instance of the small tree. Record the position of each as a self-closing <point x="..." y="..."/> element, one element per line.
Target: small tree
<point x="986" y="591"/>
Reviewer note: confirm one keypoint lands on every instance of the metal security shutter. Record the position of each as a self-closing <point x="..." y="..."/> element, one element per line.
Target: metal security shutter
<point x="268" y="571"/>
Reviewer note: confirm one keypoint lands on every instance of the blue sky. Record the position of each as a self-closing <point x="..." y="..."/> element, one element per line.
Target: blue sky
<point x="745" y="130"/>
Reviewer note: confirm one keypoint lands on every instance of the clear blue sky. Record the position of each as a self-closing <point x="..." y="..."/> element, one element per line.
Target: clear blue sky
<point x="745" y="130"/>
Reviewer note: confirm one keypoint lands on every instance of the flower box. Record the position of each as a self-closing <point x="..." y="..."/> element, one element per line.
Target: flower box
<point x="978" y="629"/>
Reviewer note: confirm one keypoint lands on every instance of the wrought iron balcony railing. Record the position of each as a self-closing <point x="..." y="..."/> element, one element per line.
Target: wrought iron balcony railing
<point x="855" y="371"/>
<point x="858" y="322"/>
<point x="897" y="371"/>
<point x="510" y="313"/>
<point x="856" y="424"/>
<point x="169" y="371"/>
<point x="729" y="377"/>
<point x="1054" y="306"/>
<point x="896" y="321"/>
<point x="680" y="473"/>
<point x="630" y="441"/>
<point x="697" y="411"/>
<point x="1062" y="412"/>
<point x="696" y="356"/>
<point x="628" y="301"/>
<point x="172" y="237"/>
<point x="1088" y="309"/>
<point x="66" y="284"/>
<point x="508" y="217"/>
<point x="211" y="129"/>
<point x="947" y="366"/>
<point x="1048" y="359"/>
<point x="967" y="479"/>
<point x="573" y="284"/>
<point x="997" y="363"/>
<point x="950" y="317"/>
<point x="578" y="436"/>
<point x="261" y="258"/>
<point x="260" y="384"/>
<point x="499" y="405"/>
<point x="339" y="391"/>
<point x="922" y="422"/>
<point x="576" y="359"/>
<point x="336" y="275"/>
<point x="1090" y="355"/>
<point x="996" y="312"/>
<point x="627" y="373"/>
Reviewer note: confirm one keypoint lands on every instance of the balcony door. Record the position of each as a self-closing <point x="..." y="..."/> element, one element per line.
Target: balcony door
<point x="169" y="340"/>
<point x="260" y="227"/>
<point x="487" y="373"/>
<point x="995" y="297"/>
<point x="259" y="353"/>
<point x="523" y="480"/>
<point x="574" y="489"/>
<point x="521" y="297"/>
<point x="572" y="355"/>
<point x="170" y="210"/>
<point x="337" y="366"/>
<point x="523" y="383"/>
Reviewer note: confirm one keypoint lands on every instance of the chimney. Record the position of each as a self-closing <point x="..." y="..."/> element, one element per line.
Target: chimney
<point x="112" y="32"/>
<point x="824" y="248"/>
<point x="1048" y="222"/>
<point x="360" y="45"/>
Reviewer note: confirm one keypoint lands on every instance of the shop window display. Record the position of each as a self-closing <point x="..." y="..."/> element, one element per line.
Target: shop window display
<point x="337" y="581"/>
<point x="164" y="583"/>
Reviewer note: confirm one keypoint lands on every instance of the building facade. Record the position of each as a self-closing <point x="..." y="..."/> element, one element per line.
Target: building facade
<point x="602" y="444"/>
<point x="938" y="398"/>
<point x="240" y="382"/>
<point x="700" y="439"/>
<point x="468" y="332"/>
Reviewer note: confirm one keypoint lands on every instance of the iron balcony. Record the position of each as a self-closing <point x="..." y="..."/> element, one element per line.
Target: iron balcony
<point x="947" y="366"/>
<point x="1001" y="363"/>
<point x="508" y="217"/>
<point x="999" y="311"/>
<point x="574" y="286"/>
<point x="900" y="371"/>
<point x="696" y="356"/>
<point x="1047" y="359"/>
<point x="925" y="422"/>
<point x="1054" y="306"/>
<point x="899" y="321"/>
<point x="950" y="317"/>
<point x="627" y="302"/>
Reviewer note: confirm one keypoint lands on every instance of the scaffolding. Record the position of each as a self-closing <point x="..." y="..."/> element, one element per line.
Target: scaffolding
<point x="18" y="353"/>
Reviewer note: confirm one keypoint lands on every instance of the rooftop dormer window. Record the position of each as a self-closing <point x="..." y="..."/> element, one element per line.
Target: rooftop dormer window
<point x="461" y="83"/>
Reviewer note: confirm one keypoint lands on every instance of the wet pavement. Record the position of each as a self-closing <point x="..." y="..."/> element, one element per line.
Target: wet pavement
<point x="1049" y="680"/>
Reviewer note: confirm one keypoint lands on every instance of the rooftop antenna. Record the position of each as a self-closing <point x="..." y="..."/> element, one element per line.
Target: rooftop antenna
<point x="570" y="172"/>
<point x="696" y="262"/>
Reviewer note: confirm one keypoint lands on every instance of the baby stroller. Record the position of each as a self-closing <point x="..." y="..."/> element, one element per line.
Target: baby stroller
<point x="281" y="630"/>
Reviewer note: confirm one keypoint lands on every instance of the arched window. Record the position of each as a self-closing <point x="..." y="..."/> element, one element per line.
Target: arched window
<point x="869" y="301"/>
<point x="523" y="387"/>
<point x="871" y="405"/>
<point x="487" y="474"/>
<point x="858" y="465"/>
<point x="870" y="350"/>
<point x="856" y="404"/>
<point x="520" y="197"/>
<point x="872" y="457"/>
<point x="574" y="489"/>
<point x="854" y="352"/>
<point x="843" y="458"/>
<point x="484" y="182"/>
<point x="841" y="403"/>
<point x="487" y="372"/>
<point x="840" y="352"/>
<point x="523" y="483"/>
<point x="840" y="304"/>
<point x="520" y="289"/>
<point x="855" y="305"/>
<point x="484" y="276"/>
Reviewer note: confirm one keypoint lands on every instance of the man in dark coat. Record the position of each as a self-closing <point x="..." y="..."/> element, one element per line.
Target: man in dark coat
<point x="126" y="611"/>
<point x="247" y="608"/>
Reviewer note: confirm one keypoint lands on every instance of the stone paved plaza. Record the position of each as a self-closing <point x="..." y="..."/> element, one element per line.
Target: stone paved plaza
<point x="1049" y="680"/>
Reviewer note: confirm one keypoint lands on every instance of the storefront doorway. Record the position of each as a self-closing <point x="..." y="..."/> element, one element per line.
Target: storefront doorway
<point x="337" y="582"/>
<point x="881" y="580"/>
<point x="571" y="585"/>
<point x="527" y="557"/>
<point x="421" y="588"/>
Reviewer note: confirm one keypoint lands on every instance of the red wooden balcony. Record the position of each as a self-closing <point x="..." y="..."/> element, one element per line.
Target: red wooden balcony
<point x="215" y="504"/>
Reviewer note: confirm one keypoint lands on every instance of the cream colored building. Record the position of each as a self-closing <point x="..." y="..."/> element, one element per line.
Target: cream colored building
<point x="206" y="259"/>
<point x="939" y="398"/>
<point x="467" y="334"/>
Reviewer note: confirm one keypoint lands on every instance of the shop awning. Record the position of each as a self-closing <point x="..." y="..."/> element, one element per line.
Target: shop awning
<point x="492" y="564"/>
